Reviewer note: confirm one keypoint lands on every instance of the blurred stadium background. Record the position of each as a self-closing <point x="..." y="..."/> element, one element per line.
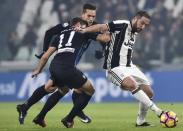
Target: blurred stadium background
<point x="158" y="50"/>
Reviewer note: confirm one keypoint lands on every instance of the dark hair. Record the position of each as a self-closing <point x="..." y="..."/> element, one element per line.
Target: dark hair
<point x="89" y="7"/>
<point x="76" y="20"/>
<point x="143" y="13"/>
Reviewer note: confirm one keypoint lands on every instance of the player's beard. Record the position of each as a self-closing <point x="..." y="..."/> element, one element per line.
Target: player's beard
<point x="90" y="22"/>
<point x="135" y="29"/>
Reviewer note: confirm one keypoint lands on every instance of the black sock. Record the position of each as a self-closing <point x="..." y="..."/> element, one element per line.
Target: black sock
<point x="81" y="102"/>
<point x="50" y="103"/>
<point x="75" y="95"/>
<point x="75" y="98"/>
<point x="36" y="96"/>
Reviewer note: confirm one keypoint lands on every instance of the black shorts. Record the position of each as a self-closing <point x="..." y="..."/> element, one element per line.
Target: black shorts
<point x="64" y="75"/>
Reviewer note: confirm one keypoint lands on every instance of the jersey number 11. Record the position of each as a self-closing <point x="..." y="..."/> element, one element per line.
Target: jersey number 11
<point x="69" y="42"/>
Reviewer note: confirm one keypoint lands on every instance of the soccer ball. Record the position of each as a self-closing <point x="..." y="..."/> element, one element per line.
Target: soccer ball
<point x="169" y="119"/>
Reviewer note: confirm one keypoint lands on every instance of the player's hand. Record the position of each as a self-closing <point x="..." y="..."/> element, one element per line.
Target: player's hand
<point x="35" y="73"/>
<point x="79" y="29"/>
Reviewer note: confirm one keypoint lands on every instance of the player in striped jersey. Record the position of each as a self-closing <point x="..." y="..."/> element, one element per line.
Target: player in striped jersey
<point x="118" y="61"/>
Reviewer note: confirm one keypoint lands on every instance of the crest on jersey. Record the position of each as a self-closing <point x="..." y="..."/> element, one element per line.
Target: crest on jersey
<point x="65" y="24"/>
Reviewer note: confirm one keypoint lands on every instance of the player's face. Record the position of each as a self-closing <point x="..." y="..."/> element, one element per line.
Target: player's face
<point x="141" y="23"/>
<point x="89" y="16"/>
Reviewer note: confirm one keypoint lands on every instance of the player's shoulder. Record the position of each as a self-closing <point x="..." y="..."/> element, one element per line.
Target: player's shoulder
<point x="62" y="25"/>
<point x="66" y="24"/>
<point x="121" y="22"/>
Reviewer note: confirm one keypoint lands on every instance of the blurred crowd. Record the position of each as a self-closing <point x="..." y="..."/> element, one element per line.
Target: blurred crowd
<point x="160" y="44"/>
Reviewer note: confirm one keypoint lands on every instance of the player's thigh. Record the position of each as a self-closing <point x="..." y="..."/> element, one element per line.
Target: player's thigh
<point x="63" y="90"/>
<point x="139" y="76"/>
<point x="49" y="86"/>
<point x="121" y="77"/>
<point x="87" y="87"/>
<point x="118" y="74"/>
<point x="129" y="83"/>
<point x="142" y="81"/>
<point x="75" y="78"/>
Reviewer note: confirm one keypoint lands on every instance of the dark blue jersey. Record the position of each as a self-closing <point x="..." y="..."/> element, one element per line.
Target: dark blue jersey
<point x="70" y="46"/>
<point x="82" y="50"/>
<point x="49" y="35"/>
<point x="54" y="31"/>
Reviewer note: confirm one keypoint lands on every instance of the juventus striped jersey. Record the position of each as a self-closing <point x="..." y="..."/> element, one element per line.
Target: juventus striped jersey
<point x="119" y="50"/>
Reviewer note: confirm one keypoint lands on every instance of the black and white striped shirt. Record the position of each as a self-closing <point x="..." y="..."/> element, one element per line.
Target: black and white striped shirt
<point x="119" y="50"/>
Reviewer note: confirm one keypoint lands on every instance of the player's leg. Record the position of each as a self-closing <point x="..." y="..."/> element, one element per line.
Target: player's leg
<point x="126" y="82"/>
<point x="37" y="95"/>
<point x="81" y="103"/>
<point x="83" y="117"/>
<point x="141" y="121"/>
<point x="50" y="103"/>
<point x="129" y="84"/>
<point x="144" y="84"/>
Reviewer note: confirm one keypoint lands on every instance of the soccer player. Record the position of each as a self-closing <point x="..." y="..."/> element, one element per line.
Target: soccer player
<point x="63" y="71"/>
<point x="88" y="14"/>
<point x="118" y="61"/>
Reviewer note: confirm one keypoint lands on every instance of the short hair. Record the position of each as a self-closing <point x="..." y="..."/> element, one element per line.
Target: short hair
<point x="143" y="13"/>
<point x="89" y="7"/>
<point x="75" y="20"/>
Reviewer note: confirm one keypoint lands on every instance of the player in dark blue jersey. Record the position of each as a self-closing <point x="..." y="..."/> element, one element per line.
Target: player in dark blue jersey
<point x="64" y="73"/>
<point x="88" y="14"/>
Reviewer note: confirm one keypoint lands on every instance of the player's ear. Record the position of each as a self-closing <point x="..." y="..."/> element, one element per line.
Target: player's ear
<point x="83" y="15"/>
<point x="135" y="19"/>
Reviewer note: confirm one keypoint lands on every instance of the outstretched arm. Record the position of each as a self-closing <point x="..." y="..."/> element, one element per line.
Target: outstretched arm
<point x="94" y="28"/>
<point x="49" y="34"/>
<point x="43" y="61"/>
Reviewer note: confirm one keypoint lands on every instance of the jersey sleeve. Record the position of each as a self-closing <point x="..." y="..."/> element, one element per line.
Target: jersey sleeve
<point x="52" y="32"/>
<point x="55" y="41"/>
<point x="116" y="25"/>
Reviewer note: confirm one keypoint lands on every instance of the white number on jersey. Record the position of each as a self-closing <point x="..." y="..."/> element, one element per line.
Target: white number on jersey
<point x="69" y="42"/>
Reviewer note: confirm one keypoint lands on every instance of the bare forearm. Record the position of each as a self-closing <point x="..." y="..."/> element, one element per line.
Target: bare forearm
<point x="96" y="28"/>
<point x="42" y="63"/>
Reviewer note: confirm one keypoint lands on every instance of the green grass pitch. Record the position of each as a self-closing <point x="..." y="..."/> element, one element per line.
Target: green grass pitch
<point x="105" y="116"/>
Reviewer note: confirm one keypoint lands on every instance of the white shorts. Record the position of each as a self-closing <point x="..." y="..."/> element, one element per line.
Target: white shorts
<point x="117" y="74"/>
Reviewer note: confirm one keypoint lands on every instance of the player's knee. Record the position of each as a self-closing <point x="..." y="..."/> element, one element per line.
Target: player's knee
<point x="91" y="89"/>
<point x="88" y="88"/>
<point x="129" y="84"/>
<point x="77" y="91"/>
<point x="49" y="89"/>
<point x="63" y="90"/>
